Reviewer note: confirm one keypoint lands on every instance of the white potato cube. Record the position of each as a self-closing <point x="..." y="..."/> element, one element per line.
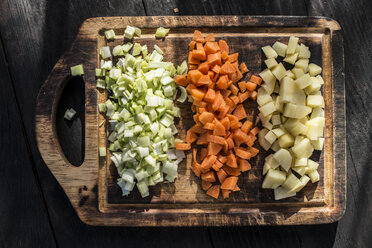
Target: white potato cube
<point x="275" y="146"/>
<point x="282" y="193"/>
<point x="313" y="87"/>
<point x="296" y="111"/>
<point x="284" y="158"/>
<point x="291" y="182"/>
<point x="304" y="149"/>
<point x="269" y="52"/>
<point x="280" y="48"/>
<point x="267" y="109"/>
<point x="290" y="74"/>
<point x="315" y="101"/>
<point x="294" y="127"/>
<point x="278" y="132"/>
<point x="298" y="72"/>
<point x="264" y="119"/>
<point x="300" y="170"/>
<point x="298" y="48"/>
<point x="271" y="161"/>
<point x="279" y="71"/>
<point x="314" y="69"/>
<point x="267" y="76"/>
<point x="298" y="97"/>
<point x="303" y="64"/>
<point x="270" y="63"/>
<point x="303" y="81"/>
<point x="301" y="162"/>
<point x="268" y="125"/>
<point x="299" y="138"/>
<point x="314" y="176"/>
<point x="318" y="144"/>
<point x="287" y="88"/>
<point x="321" y="81"/>
<point x="263" y="97"/>
<point x="286" y="140"/>
<point x="273" y="179"/>
<point x="270" y="137"/>
<point x="315" y="128"/>
<point x="279" y="105"/>
<point x="312" y="165"/>
<point x="291" y="58"/>
<point x="304" y="52"/>
<point x="292" y="44"/>
<point x="317" y="112"/>
<point x="266" y="168"/>
<point x="276" y="88"/>
<point x="275" y="120"/>
<point x="262" y="141"/>
<point x="304" y="180"/>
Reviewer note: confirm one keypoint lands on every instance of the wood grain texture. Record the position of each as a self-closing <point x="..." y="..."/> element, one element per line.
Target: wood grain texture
<point x="320" y="206"/>
<point x="22" y="208"/>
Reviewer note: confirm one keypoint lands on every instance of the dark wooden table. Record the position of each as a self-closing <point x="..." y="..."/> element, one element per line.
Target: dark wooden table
<point x="35" y="212"/>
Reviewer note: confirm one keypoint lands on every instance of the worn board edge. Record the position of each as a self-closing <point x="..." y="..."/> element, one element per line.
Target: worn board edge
<point x="73" y="179"/>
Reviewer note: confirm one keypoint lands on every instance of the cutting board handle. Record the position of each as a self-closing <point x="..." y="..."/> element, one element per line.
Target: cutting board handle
<point x="45" y="124"/>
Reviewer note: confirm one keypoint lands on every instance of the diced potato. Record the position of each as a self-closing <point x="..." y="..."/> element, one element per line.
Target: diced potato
<point x="271" y="161"/>
<point x="298" y="72"/>
<point x="312" y="165"/>
<point x="314" y="69"/>
<point x="278" y="132"/>
<point x="298" y="139"/>
<point x="303" y="81"/>
<point x="321" y="81"/>
<point x="269" y="52"/>
<point x="266" y="168"/>
<point x="269" y="87"/>
<point x="290" y="74"/>
<point x="291" y="58"/>
<point x="316" y="93"/>
<point x="276" y="88"/>
<point x="292" y="44"/>
<point x="315" y="101"/>
<point x="315" y="128"/>
<point x="287" y="88"/>
<point x="300" y="170"/>
<point x="291" y="182"/>
<point x="275" y="120"/>
<point x="283" y="118"/>
<point x="284" y="158"/>
<point x="282" y="193"/>
<point x="273" y="179"/>
<point x="280" y="48"/>
<point x="296" y="111"/>
<point x="303" y="64"/>
<point x="264" y="119"/>
<point x="267" y="109"/>
<point x="318" y="144"/>
<point x="314" y="86"/>
<point x="298" y="97"/>
<point x="263" y="97"/>
<point x="267" y="76"/>
<point x="304" y="149"/>
<point x="317" y="112"/>
<point x="279" y="71"/>
<point x="314" y="176"/>
<point x="304" y="52"/>
<point x="298" y="48"/>
<point x="301" y="162"/>
<point x="268" y="125"/>
<point x="270" y="63"/>
<point x="270" y="137"/>
<point x="275" y="146"/>
<point x="304" y="180"/>
<point x="262" y="141"/>
<point x="294" y="127"/>
<point x="286" y="140"/>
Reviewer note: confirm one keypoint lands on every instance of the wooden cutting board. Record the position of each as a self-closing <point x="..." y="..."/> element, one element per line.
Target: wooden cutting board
<point x="92" y="187"/>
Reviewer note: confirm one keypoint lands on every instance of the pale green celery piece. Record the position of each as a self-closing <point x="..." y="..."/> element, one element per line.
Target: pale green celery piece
<point x="118" y="51"/>
<point x="69" y="114"/>
<point x="158" y="49"/>
<point x="183" y="95"/>
<point x="137" y="31"/>
<point x="102" y="151"/>
<point x="144" y="50"/>
<point x="129" y="32"/>
<point x="182" y="69"/>
<point x="137" y="49"/>
<point x="77" y="70"/>
<point x="102" y="107"/>
<point x="127" y="46"/>
<point x="100" y="72"/>
<point x="101" y="84"/>
<point x="110" y="34"/>
<point x="161" y="32"/>
<point x="105" y="52"/>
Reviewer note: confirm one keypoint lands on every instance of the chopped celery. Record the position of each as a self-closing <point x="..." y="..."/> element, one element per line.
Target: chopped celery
<point x="137" y="31"/>
<point x="118" y="51"/>
<point x="137" y="49"/>
<point x="158" y="49"/>
<point x="77" y="70"/>
<point x="127" y="46"/>
<point x="69" y="114"/>
<point x="182" y="69"/>
<point x="183" y="95"/>
<point x="110" y="34"/>
<point x="129" y="32"/>
<point x="101" y="84"/>
<point x="102" y="151"/>
<point x="161" y="32"/>
<point x="105" y="52"/>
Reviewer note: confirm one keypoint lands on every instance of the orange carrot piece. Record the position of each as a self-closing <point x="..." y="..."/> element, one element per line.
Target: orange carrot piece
<point x="217" y="101"/>
<point x="192" y="45"/>
<point x="216" y="69"/>
<point x="214" y="59"/>
<point x="203" y="80"/>
<point x="234" y="122"/>
<point x="183" y="146"/>
<point x="234" y="89"/>
<point x="244" y="165"/>
<point x="255" y="79"/>
<point x="209" y="126"/>
<point x="196" y="168"/>
<point x="198" y="54"/>
<point x="229" y="183"/>
<point x="253" y="151"/>
<point x="251" y="86"/>
<point x="230" y="143"/>
<point x="231" y="161"/>
<point x="210" y="95"/>
<point x="197" y="94"/>
<point x="209" y="37"/>
<point x="227" y="68"/>
<point x="243" y="96"/>
<point x="203" y="153"/>
<point x="217" y="165"/>
<point x="241" y="153"/>
<point x="214" y="148"/>
<point x="242" y="86"/>
<point x="225" y="93"/>
<point x="239" y="112"/>
<point x="180" y="80"/>
<point x="246" y="126"/>
<point x="226" y="123"/>
<point x="221" y="158"/>
<point x="192" y="61"/>
<point x="206" y="117"/>
<point x="211" y="47"/>
<point x="254" y="131"/>
<point x="219" y="129"/>
<point x="231" y="171"/>
<point x="214" y="191"/>
<point x="225" y="193"/>
<point x="221" y="174"/>
<point x="233" y="57"/>
<point x="235" y="99"/>
<point x="191" y="137"/>
<point x="194" y="75"/>
<point x="203" y="139"/>
<point x="223" y="46"/>
<point x="193" y="67"/>
<point x="190" y="87"/>
<point x="222" y="82"/>
<point x="208" y="162"/>
<point x="224" y="56"/>
<point x="208" y="176"/>
<point x="199" y="104"/>
<point x="243" y="68"/>
<point x="198" y="36"/>
<point x="203" y="67"/>
<point x="240" y="136"/>
<point x="206" y="185"/>
<point x="198" y="128"/>
<point x="216" y="139"/>
<point x="236" y="188"/>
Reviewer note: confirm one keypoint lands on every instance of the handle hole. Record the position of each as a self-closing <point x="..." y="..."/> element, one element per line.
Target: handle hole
<point x="71" y="133"/>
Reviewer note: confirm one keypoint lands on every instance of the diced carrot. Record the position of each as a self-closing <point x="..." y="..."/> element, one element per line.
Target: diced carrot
<point x="196" y="168"/>
<point x="240" y="136"/>
<point x="210" y="95"/>
<point x="223" y="46"/>
<point x="192" y="61"/>
<point x="203" y="139"/>
<point x="197" y="128"/>
<point x="225" y="93"/>
<point x="198" y="54"/>
<point x="203" y="80"/>
<point x="194" y="76"/>
<point x="214" y="148"/>
<point x="214" y="191"/>
<point x="227" y="68"/>
<point x="214" y="59"/>
<point x="253" y="151"/>
<point x="203" y="67"/>
<point x="239" y="112"/>
<point x="211" y="47"/>
<point x="230" y="143"/>
<point x="209" y="126"/>
<point x="206" y="117"/>
<point x="246" y="126"/>
<point x="242" y="86"/>
<point x="203" y="153"/>
<point x="191" y="137"/>
<point x="222" y="106"/>
<point x="216" y="69"/>
<point x="183" y="146"/>
<point x="221" y="158"/>
<point x="231" y="171"/>
<point x="255" y="79"/>
<point x="217" y="101"/>
<point x="206" y="185"/>
<point x="231" y="161"/>
<point x="253" y="95"/>
<point x="224" y="56"/>
<point x="226" y="123"/>
<point x="192" y="45"/>
<point x="234" y="89"/>
<point x="180" y="80"/>
<point x="250" y="141"/>
<point x="216" y="139"/>
<point x="235" y="65"/>
<point x="199" y="46"/>
<point x="227" y="134"/>
<point x="196" y="116"/>
<point x="254" y="131"/>
<point x="241" y="153"/>
<point x="243" y="68"/>
<point x="235" y="77"/>
<point x="230" y="103"/>
<point x="193" y="108"/>
<point x="197" y="94"/>
<point x="236" y="188"/>
<point x="233" y="57"/>
<point x="193" y="67"/>
<point x="198" y="36"/>
<point x="208" y="176"/>
<point x="229" y="183"/>
<point x="235" y="99"/>
<point x="209" y="37"/>
<point x="225" y="193"/>
<point x="217" y="165"/>
<point x="221" y="174"/>
<point x="222" y="82"/>
<point x="200" y="104"/>
<point x="208" y="162"/>
<point x="251" y="86"/>
<point x="243" y="96"/>
<point x="244" y="165"/>
<point x="219" y="129"/>
<point x="234" y="122"/>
